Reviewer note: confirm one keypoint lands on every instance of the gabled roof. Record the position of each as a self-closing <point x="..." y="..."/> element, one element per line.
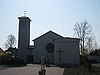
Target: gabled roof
<point x="48" y="33"/>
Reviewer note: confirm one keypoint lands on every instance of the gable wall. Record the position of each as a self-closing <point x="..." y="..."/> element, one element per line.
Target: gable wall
<point x="39" y="47"/>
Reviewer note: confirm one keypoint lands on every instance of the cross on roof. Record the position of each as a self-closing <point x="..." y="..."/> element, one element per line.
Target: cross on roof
<point x="24" y="13"/>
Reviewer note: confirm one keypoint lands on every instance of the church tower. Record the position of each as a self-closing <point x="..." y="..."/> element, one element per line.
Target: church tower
<point x="23" y="37"/>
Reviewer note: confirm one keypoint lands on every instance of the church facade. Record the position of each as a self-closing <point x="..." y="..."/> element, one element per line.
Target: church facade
<point x="55" y="48"/>
<point x="44" y="46"/>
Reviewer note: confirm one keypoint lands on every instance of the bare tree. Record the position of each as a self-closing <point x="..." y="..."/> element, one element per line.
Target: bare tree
<point x="11" y="41"/>
<point x="83" y="31"/>
<point x="90" y="44"/>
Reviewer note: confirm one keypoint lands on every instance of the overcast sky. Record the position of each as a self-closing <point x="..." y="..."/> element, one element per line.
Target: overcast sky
<point x="59" y="16"/>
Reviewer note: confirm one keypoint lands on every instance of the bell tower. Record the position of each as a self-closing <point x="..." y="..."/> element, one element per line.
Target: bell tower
<point x="23" y="37"/>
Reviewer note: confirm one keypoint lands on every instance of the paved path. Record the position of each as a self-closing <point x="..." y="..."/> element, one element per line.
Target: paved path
<point x="29" y="70"/>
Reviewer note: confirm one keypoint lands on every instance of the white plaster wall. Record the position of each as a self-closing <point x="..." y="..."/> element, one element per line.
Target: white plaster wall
<point x="70" y="48"/>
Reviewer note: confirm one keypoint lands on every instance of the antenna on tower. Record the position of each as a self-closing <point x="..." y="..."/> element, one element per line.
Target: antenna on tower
<point x="24" y="13"/>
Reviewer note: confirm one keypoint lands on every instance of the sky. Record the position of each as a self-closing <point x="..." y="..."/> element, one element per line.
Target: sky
<point x="59" y="16"/>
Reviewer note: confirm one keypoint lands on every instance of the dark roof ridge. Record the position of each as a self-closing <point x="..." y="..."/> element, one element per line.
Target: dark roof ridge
<point x="68" y="38"/>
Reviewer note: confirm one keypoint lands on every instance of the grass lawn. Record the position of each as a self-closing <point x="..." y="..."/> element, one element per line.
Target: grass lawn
<point x="82" y="70"/>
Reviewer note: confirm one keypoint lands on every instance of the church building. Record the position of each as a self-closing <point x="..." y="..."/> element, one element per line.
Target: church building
<point x="55" y="48"/>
